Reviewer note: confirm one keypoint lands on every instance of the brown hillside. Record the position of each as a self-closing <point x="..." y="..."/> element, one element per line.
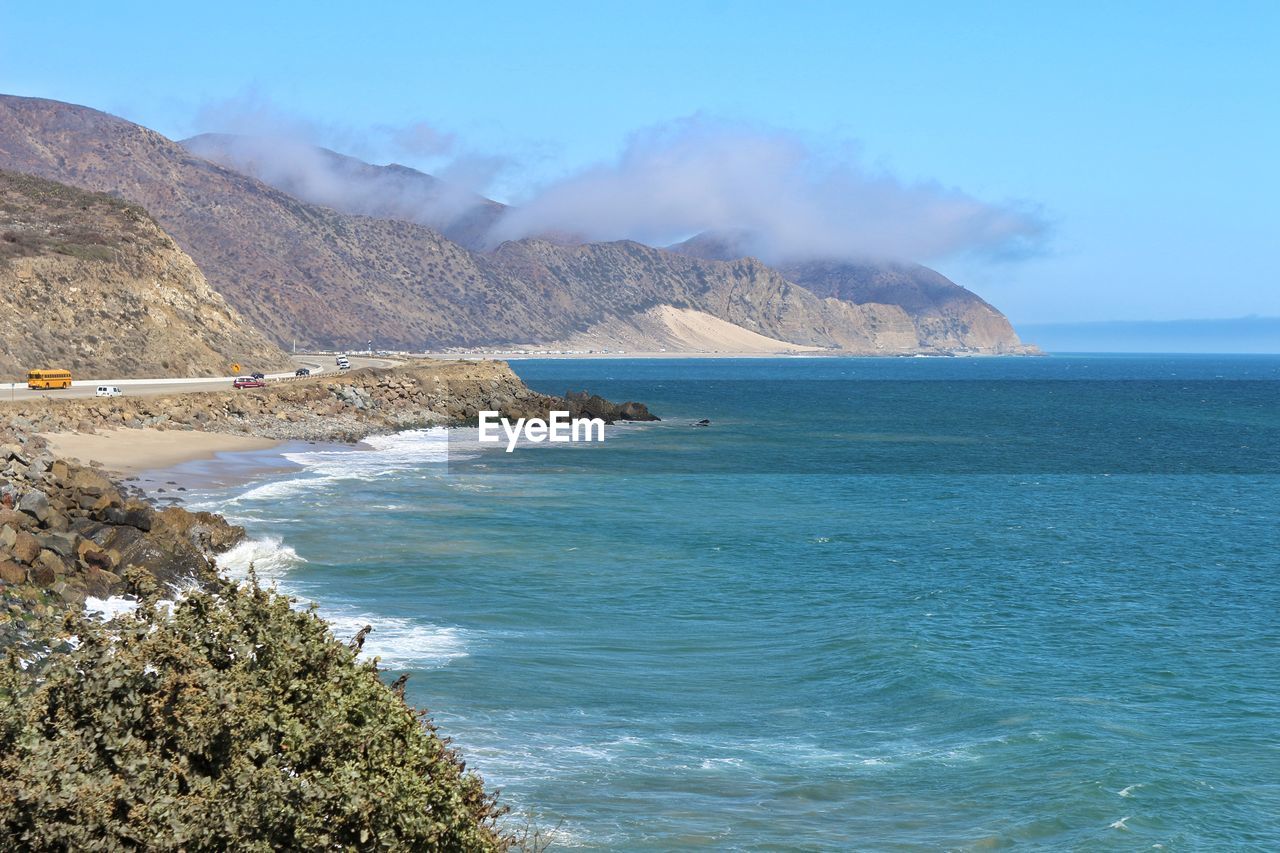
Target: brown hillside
<point x="90" y="283"/>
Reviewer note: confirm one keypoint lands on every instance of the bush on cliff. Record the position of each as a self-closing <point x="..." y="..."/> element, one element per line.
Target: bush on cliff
<point x="227" y="721"/>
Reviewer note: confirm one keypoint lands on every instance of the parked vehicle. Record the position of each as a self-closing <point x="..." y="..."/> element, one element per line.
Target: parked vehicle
<point x="248" y="382"/>
<point x="48" y="379"/>
<point x="302" y="371"/>
<point x="109" y="391"/>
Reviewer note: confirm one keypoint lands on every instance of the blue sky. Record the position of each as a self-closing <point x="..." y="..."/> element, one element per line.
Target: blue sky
<point x="1144" y="137"/>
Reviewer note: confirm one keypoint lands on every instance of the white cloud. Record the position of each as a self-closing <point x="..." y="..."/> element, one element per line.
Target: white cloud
<point x="698" y="174"/>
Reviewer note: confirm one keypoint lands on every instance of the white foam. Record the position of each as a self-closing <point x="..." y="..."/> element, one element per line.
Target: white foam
<point x="280" y="489"/>
<point x="270" y="558"/>
<point x="107" y="609"/>
<point x="411" y="450"/>
<point x="414" y="450"/>
<point x="399" y="643"/>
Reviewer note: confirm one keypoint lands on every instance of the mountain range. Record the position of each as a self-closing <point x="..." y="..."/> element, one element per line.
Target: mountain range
<point x="332" y="252"/>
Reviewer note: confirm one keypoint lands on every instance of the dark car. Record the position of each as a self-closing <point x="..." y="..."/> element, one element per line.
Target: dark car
<point x="302" y="371"/>
<point x="259" y="376"/>
<point x="248" y="382"/>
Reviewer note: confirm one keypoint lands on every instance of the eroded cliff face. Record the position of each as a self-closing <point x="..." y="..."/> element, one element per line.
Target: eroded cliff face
<point x="91" y="284"/>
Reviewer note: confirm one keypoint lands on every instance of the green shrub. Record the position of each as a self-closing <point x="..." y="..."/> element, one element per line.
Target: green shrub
<point x="227" y="721"/>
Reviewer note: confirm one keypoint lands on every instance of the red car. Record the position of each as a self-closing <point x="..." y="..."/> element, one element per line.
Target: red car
<point x="248" y="382"/>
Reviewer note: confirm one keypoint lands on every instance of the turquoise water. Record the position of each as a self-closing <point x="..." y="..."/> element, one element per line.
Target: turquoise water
<point x="877" y="604"/>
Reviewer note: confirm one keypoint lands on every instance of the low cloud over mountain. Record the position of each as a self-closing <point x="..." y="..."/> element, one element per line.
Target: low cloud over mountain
<point x="697" y="175"/>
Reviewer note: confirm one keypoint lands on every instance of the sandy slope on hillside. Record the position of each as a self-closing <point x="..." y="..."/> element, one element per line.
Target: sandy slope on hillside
<point x="665" y="327"/>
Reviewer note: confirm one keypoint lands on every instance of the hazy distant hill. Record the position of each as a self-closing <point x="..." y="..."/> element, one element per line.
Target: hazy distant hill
<point x="91" y="284"/>
<point x="324" y="277"/>
<point x="321" y="176"/>
<point x="944" y="313"/>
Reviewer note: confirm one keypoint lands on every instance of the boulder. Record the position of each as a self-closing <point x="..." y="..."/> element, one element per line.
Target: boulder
<point x="11" y="572"/>
<point x="26" y="547"/>
<point x="93" y="555"/>
<point x="102" y="583"/>
<point x="10" y="516"/>
<point x="134" y="513"/>
<point x="90" y="482"/>
<point x="62" y="544"/>
<point x="35" y="504"/>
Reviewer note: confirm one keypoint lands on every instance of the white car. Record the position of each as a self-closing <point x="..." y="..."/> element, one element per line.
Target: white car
<point x="109" y="391"/>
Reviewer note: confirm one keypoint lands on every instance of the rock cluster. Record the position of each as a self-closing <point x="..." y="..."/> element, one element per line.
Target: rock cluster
<point x="68" y="532"/>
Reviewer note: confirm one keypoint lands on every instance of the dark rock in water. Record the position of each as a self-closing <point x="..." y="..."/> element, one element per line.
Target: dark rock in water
<point x="584" y="405"/>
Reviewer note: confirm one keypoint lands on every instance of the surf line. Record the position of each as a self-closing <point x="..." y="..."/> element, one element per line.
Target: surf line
<point x="561" y="427"/>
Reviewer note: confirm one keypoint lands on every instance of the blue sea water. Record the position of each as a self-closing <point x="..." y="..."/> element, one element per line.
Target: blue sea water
<point x="877" y="604"/>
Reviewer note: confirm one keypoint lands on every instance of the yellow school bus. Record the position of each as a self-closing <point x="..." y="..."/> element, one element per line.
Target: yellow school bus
<point x="39" y="379"/>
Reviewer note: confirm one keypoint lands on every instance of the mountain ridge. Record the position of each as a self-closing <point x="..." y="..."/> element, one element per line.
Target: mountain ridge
<point x="326" y="278"/>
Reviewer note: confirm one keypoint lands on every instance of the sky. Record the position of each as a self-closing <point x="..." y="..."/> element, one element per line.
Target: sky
<point x="1067" y="161"/>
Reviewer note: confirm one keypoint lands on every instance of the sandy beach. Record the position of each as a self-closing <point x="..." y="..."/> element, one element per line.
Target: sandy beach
<point x="131" y="451"/>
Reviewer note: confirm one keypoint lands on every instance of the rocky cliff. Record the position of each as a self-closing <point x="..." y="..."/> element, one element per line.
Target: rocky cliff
<point x="91" y="284"/>
<point x="326" y="278"/>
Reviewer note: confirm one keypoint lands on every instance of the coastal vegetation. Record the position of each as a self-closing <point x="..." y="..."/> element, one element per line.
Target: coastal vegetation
<point x="225" y="719"/>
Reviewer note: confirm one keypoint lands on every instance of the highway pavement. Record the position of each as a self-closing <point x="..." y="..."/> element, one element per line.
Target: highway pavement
<point x="317" y="364"/>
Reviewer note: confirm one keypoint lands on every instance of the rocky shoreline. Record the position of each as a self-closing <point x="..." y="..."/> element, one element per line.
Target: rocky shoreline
<point x="68" y="532"/>
<point x="342" y="407"/>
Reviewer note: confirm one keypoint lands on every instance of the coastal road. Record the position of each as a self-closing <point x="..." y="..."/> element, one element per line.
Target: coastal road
<point x="318" y="364"/>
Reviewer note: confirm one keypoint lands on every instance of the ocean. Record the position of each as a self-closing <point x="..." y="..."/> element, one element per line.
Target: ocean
<point x="876" y="604"/>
